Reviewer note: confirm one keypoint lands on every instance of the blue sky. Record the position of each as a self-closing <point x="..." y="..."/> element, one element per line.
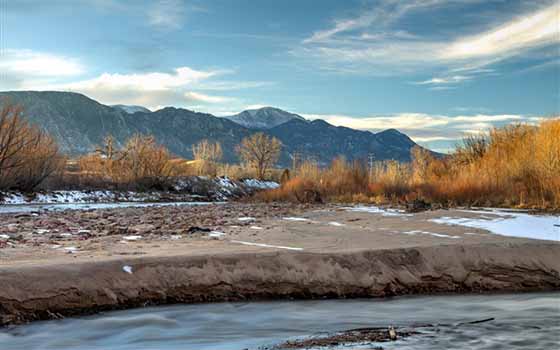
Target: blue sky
<point x="434" y="69"/>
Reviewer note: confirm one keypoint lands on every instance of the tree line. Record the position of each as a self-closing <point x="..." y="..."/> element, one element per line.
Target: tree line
<point x="29" y="157"/>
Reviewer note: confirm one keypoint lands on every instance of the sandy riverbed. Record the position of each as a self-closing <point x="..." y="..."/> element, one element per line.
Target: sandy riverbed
<point x="67" y="263"/>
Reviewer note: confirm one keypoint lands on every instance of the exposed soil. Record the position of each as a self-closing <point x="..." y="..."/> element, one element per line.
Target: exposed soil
<point x="247" y="252"/>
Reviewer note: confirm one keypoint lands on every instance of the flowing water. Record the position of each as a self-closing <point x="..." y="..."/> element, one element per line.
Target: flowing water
<point x="521" y="321"/>
<point x="30" y="208"/>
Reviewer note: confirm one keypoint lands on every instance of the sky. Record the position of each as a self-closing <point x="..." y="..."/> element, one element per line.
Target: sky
<point x="433" y="69"/>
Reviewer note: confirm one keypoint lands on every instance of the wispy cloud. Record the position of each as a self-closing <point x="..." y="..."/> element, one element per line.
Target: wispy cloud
<point x="454" y="79"/>
<point x="382" y="14"/>
<point x="168" y="14"/>
<point x="530" y="30"/>
<point x="364" y="44"/>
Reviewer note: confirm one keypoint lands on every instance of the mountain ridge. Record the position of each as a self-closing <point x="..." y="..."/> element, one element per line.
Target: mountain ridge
<point x="80" y="123"/>
<point x="263" y="118"/>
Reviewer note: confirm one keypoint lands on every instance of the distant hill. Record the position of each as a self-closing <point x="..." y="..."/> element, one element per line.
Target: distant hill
<point x="131" y="109"/>
<point x="80" y="124"/>
<point x="263" y="118"/>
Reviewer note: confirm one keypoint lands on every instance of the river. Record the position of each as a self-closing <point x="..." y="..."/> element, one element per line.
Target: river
<point x="30" y="208"/>
<point x="521" y="321"/>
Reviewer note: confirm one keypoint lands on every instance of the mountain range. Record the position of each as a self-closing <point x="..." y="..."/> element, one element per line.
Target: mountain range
<point x="80" y="123"/>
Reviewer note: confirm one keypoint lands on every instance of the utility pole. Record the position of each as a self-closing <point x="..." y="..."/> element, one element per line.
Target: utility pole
<point x="371" y="159"/>
<point x="295" y="161"/>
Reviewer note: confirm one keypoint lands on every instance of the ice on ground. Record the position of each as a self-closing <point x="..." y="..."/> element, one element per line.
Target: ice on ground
<point x="70" y="249"/>
<point x="440" y="235"/>
<point x="513" y="224"/>
<point x="132" y="238"/>
<point x="263" y="185"/>
<point x="127" y="269"/>
<point x="377" y="210"/>
<point x="292" y="218"/>
<point x="2" y="236"/>
<point x="334" y="223"/>
<point x="33" y="208"/>
<point x="41" y="231"/>
<point x="265" y="245"/>
<point x="246" y="219"/>
<point x="216" y="234"/>
<point x="176" y="237"/>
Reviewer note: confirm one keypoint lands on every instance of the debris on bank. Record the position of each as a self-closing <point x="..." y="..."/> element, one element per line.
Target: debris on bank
<point x="349" y="338"/>
<point x="186" y="189"/>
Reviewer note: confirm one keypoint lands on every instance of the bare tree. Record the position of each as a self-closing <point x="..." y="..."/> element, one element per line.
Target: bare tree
<point x="27" y="154"/>
<point x="143" y="160"/>
<point x="472" y="149"/>
<point x="207" y="154"/>
<point x="260" y="152"/>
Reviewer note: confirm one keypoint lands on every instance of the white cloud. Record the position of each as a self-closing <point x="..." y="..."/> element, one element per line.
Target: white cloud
<point x="536" y="29"/>
<point x="232" y="85"/>
<point x="454" y="79"/>
<point x="21" y="69"/>
<point x="155" y="81"/>
<point x="180" y="87"/>
<point x="423" y="127"/>
<point x="367" y="45"/>
<point x="151" y="89"/>
<point x="202" y="98"/>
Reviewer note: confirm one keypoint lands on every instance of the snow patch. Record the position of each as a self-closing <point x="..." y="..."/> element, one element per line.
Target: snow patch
<point x="216" y="234"/>
<point x="132" y="238"/>
<point x="259" y="184"/>
<point x="334" y="223"/>
<point x="377" y="210"/>
<point x="292" y="218"/>
<point x="127" y="269"/>
<point x="440" y="235"/>
<point x="266" y="245"/>
<point x="513" y="224"/>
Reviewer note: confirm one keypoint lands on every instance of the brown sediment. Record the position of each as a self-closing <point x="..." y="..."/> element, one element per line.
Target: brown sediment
<point x="56" y="290"/>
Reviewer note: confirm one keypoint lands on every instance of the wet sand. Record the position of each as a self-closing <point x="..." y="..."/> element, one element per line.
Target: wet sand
<point x="252" y="252"/>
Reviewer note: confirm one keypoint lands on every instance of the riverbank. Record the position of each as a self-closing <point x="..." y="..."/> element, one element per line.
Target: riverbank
<point x="183" y="189"/>
<point x="73" y="263"/>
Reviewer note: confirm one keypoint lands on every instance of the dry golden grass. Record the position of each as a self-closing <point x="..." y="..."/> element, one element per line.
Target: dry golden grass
<point x="513" y="166"/>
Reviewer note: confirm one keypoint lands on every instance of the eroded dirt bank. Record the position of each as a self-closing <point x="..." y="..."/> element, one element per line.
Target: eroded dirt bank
<point x="55" y="264"/>
<point x="34" y="292"/>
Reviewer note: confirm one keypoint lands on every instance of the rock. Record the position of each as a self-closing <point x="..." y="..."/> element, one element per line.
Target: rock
<point x="417" y="206"/>
<point x="196" y="229"/>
